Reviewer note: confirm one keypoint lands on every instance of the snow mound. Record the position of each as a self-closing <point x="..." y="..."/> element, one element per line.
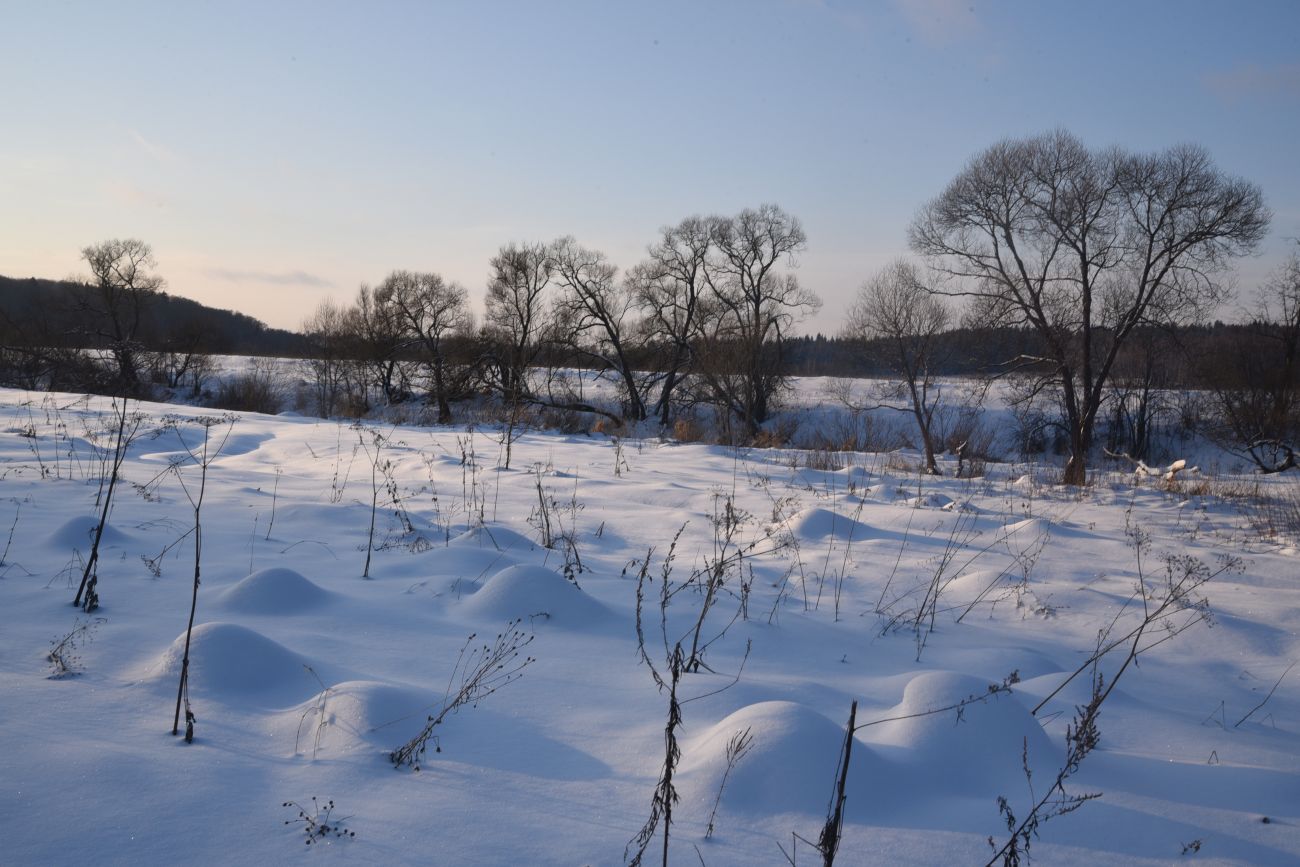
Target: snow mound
<point x="887" y="492"/>
<point x="230" y="662"/>
<point x="933" y="501"/>
<point x="353" y="714"/>
<point x="496" y="538"/>
<point x="535" y="593"/>
<point x="790" y="767"/>
<point x="992" y="583"/>
<point x="1027" y="530"/>
<point x="273" y="591"/>
<point x="79" y="533"/>
<point x="820" y="524"/>
<point x="966" y="751"/>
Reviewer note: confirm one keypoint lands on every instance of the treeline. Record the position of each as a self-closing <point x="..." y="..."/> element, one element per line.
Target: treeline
<point x="37" y="313"/>
<point x="556" y="308"/>
<point x="986" y="352"/>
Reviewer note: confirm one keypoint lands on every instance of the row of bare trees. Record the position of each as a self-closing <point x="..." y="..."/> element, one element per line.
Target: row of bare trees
<point x="703" y="319"/>
<point x="1100" y="254"/>
<point x="395" y="338"/>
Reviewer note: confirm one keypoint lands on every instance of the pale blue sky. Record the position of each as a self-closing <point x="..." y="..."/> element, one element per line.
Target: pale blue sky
<point x="275" y="153"/>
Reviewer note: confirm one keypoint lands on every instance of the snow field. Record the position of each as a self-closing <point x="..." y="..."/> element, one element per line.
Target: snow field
<point x="304" y="675"/>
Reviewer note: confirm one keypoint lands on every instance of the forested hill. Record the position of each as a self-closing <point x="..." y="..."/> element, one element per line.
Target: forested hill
<point x="52" y="311"/>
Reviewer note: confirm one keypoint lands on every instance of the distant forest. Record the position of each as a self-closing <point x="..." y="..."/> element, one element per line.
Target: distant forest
<point x="58" y="313"/>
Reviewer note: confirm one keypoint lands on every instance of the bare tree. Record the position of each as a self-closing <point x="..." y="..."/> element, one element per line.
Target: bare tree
<point x="327" y="332"/>
<point x="429" y="310"/>
<point x="595" y="315"/>
<point x="122" y="285"/>
<point x="757" y="305"/>
<point x="669" y="286"/>
<point x="379" y="341"/>
<point x="899" y="307"/>
<point x="1085" y="246"/>
<point x="515" y="312"/>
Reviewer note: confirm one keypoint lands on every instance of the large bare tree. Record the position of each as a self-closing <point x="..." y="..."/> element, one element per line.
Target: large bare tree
<point x="518" y="277"/>
<point x="429" y="310"/>
<point x="757" y="304"/>
<point x="1084" y="246"/>
<point x="669" y="286"/>
<point x="596" y="318"/>
<point x="898" y="307"/>
<point x="328" y="334"/>
<point x="122" y="285"/>
<point x="380" y="341"/>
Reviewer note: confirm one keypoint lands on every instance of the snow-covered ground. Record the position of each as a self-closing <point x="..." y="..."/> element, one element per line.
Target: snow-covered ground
<point x="866" y="583"/>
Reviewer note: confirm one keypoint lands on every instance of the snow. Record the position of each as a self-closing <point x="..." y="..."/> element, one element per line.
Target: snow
<point x="534" y="593"/>
<point x="274" y="591"/>
<point x="794" y="755"/>
<point x="304" y="676"/>
<point x="817" y="524"/>
<point x="233" y="663"/>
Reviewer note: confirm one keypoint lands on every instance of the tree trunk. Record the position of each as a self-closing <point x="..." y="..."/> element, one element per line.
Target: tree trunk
<point x="1076" y="470"/>
<point x="931" y="467"/>
<point x="440" y="385"/>
<point x="665" y="398"/>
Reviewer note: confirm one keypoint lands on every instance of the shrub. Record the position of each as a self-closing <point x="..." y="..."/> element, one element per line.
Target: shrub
<point x="687" y="429"/>
<point x="778" y="433"/>
<point x="253" y="391"/>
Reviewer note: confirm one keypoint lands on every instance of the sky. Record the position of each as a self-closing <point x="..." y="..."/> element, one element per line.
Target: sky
<point x="277" y="154"/>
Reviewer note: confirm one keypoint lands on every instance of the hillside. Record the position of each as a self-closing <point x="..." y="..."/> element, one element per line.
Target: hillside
<point x="49" y="309"/>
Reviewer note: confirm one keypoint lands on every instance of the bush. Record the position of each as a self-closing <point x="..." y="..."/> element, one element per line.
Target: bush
<point x="778" y="433"/>
<point x="687" y="429"/>
<point x="254" y="391"/>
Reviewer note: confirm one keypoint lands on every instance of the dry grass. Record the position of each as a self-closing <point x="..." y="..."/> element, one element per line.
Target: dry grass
<point x="253" y="391"/>
<point x="1275" y="512"/>
<point x="687" y="429"/>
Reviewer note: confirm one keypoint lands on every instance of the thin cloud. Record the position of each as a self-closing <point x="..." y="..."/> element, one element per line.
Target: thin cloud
<point x="153" y="149"/>
<point x="279" y="278"/>
<point x="1252" y="81"/>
